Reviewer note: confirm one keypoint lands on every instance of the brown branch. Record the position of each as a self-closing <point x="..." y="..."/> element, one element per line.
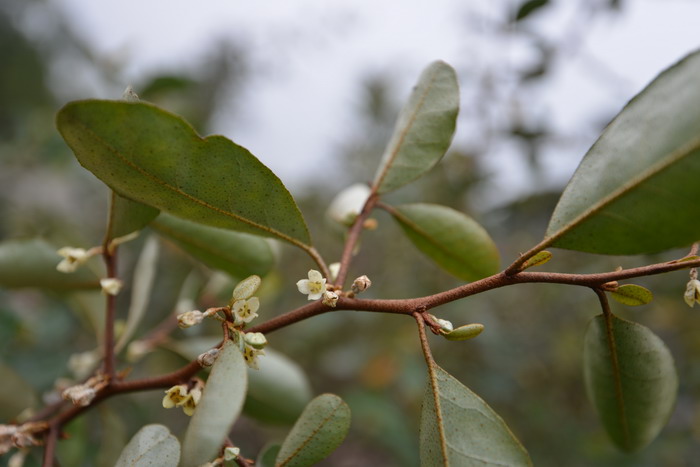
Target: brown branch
<point x="50" y="446"/>
<point x="353" y="237"/>
<point x="110" y="259"/>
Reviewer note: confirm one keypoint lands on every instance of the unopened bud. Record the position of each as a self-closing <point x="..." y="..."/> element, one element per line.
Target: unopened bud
<point x="208" y="358"/>
<point x="445" y="326"/>
<point x="129" y="95"/>
<point x="330" y="298"/>
<point x="189" y="318"/>
<point x="111" y="285"/>
<point x="361" y="284"/>
<point x="256" y="340"/>
<point x="80" y="395"/>
<point x="231" y="453"/>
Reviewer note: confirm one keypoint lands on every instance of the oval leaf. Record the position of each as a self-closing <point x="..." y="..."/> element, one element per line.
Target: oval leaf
<point x="218" y="408"/>
<point x="458" y="428"/>
<point x="450" y="238"/>
<point x="235" y="253"/>
<point x="423" y="131"/>
<point x="151" y="445"/>
<point x="267" y="455"/>
<point x="154" y="157"/>
<point x="32" y="263"/>
<point x="632" y="295"/>
<point x="319" y="431"/>
<point x="126" y="216"/>
<point x="631" y="380"/>
<point x="636" y="190"/>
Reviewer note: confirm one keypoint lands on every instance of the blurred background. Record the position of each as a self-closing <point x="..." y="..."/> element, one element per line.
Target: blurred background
<point x="313" y="91"/>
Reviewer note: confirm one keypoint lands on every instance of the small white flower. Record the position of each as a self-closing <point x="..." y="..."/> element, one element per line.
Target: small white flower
<point x="256" y="340"/>
<point x="246" y="288"/>
<point x="72" y="258"/>
<point x="231" y="453"/>
<point x="314" y="286"/>
<point x="175" y="396"/>
<point x="191" y="401"/>
<point x="250" y="355"/>
<point x="348" y="204"/>
<point x="245" y="311"/>
<point x="111" y="285"/>
<point x="330" y="298"/>
<point x="189" y="318"/>
<point x="692" y="292"/>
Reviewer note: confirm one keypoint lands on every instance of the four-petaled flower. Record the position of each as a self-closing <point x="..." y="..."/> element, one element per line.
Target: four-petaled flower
<point x="314" y="286"/>
<point x="72" y="258"/>
<point x="182" y="396"/>
<point x="250" y="355"/>
<point x="245" y="311"/>
<point x="692" y="292"/>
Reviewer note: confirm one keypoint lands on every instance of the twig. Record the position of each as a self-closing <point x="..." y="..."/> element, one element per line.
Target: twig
<point x="353" y="237"/>
<point x="110" y="259"/>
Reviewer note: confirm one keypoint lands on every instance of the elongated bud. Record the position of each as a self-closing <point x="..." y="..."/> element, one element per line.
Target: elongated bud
<point x="330" y="298"/>
<point x="462" y="333"/>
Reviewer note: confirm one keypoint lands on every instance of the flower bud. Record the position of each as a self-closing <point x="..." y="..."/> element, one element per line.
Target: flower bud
<point x="208" y="358"/>
<point x="80" y="395"/>
<point x="189" y="318"/>
<point x="111" y="285"/>
<point x="692" y="292"/>
<point x="330" y="298"/>
<point x="346" y="206"/>
<point x="361" y="284"/>
<point x="256" y="340"/>
<point x="445" y="326"/>
<point x="231" y="453"/>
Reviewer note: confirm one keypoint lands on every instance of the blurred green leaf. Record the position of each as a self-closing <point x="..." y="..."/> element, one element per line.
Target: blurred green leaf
<point x="424" y="129"/>
<point x="32" y="263"/>
<point x="267" y="455"/>
<point x="632" y="295"/>
<point x="152" y="445"/>
<point x="237" y="254"/>
<point x="458" y="428"/>
<point x="450" y="238"/>
<point x="636" y="190"/>
<point x="529" y="7"/>
<point x="320" y="429"/>
<point x="126" y="216"/>
<point x="631" y="380"/>
<point x="218" y="408"/>
<point x="156" y="158"/>
<point x="112" y="437"/>
<point x="278" y="391"/>
<point x="16" y="394"/>
<point x="144" y="275"/>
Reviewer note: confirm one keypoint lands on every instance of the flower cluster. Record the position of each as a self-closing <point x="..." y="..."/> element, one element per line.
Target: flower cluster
<point x="184" y="396"/>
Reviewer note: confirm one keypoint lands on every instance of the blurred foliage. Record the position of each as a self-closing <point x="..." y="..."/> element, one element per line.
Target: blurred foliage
<point x="526" y="364"/>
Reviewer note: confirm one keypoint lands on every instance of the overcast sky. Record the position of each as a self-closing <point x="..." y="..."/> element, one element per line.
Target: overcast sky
<point x="315" y="55"/>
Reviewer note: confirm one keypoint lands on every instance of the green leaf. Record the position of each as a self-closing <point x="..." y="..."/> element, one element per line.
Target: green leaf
<point x="267" y="455"/>
<point x="218" y="408"/>
<point x="319" y="430"/>
<point x="16" y="394"/>
<point x="450" y="238"/>
<point x="237" y="254"/>
<point x="278" y="391"/>
<point x="154" y="157"/>
<point x="126" y="216"/>
<point x="151" y="445"/>
<point x="144" y="275"/>
<point x="32" y="263"/>
<point x="631" y="380"/>
<point x="458" y="428"/>
<point x="529" y="7"/>
<point x="537" y="260"/>
<point x="112" y="437"/>
<point x="423" y="131"/>
<point x="632" y="295"/>
<point x="636" y="190"/>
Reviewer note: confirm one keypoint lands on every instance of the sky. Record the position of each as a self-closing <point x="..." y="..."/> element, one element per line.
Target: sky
<point x="311" y="57"/>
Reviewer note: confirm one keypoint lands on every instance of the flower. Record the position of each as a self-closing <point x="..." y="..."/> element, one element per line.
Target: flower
<point x="231" y="453"/>
<point x="250" y="355"/>
<point x="72" y="258"/>
<point x="346" y="206"/>
<point x="692" y="292"/>
<point x="189" y="318"/>
<point x="334" y="269"/>
<point x="314" y="286"/>
<point x="111" y="285"/>
<point x="175" y="396"/>
<point x="245" y="311"/>
<point x="256" y="340"/>
<point x="190" y="403"/>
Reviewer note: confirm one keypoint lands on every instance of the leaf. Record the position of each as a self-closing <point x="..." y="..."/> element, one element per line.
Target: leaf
<point x="112" y="437"/>
<point x="218" y="408"/>
<point x="32" y="263"/>
<point x="630" y="379"/>
<point x="319" y="430"/>
<point x="152" y="445"/>
<point x="154" y="157"/>
<point x="636" y="190"/>
<point x="458" y="428"/>
<point x="529" y="7"/>
<point x="144" y="275"/>
<point x="126" y="216"/>
<point x="537" y="260"/>
<point x="278" y="391"/>
<point x="450" y="238"/>
<point x="16" y="394"/>
<point x="237" y="254"/>
<point x="423" y="131"/>
<point x="267" y="455"/>
<point x="632" y="295"/>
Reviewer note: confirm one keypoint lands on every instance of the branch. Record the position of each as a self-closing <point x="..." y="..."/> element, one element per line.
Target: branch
<point x="353" y="237"/>
<point x="110" y="259"/>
